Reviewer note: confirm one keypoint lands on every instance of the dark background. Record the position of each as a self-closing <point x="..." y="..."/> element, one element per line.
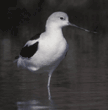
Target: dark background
<point x="87" y="13"/>
<point x="81" y="80"/>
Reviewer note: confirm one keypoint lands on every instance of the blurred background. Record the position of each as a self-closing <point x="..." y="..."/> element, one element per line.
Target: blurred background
<point x="80" y="82"/>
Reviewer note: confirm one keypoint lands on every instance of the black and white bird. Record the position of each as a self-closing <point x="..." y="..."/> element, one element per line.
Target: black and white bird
<point x="43" y="52"/>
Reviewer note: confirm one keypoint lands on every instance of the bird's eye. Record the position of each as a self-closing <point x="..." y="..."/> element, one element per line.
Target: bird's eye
<point x="62" y="18"/>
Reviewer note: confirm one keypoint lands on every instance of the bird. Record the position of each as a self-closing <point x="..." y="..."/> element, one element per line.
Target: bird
<point x="44" y="51"/>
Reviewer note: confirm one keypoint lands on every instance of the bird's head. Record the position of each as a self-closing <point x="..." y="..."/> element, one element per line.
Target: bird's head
<point x="60" y="19"/>
<point x="57" y="20"/>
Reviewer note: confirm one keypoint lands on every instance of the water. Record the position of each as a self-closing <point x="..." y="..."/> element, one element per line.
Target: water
<point x="79" y="83"/>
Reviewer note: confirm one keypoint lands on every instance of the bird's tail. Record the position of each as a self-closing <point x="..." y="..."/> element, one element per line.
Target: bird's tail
<point x="19" y="61"/>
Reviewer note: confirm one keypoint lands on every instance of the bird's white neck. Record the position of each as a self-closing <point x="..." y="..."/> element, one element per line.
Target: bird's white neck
<point x="52" y="26"/>
<point x="53" y="30"/>
<point x="54" y="33"/>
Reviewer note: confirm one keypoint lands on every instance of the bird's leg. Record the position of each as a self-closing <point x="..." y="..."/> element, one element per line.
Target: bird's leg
<point x="49" y="94"/>
<point x="48" y="85"/>
<point x="49" y="78"/>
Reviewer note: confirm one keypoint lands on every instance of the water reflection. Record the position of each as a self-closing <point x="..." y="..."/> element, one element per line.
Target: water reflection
<point x="34" y="105"/>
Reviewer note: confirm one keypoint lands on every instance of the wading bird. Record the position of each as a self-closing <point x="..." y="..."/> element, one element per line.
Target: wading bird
<point x="43" y="52"/>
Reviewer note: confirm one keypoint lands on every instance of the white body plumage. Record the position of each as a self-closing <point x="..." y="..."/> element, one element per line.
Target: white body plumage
<point x="51" y="50"/>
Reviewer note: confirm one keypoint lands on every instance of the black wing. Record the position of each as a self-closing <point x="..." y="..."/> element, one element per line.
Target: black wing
<point x="29" y="51"/>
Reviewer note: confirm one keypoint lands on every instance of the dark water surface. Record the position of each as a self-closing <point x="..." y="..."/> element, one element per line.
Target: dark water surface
<point x="79" y="83"/>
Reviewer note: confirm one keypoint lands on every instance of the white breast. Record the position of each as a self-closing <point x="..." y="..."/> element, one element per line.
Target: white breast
<point x="51" y="49"/>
